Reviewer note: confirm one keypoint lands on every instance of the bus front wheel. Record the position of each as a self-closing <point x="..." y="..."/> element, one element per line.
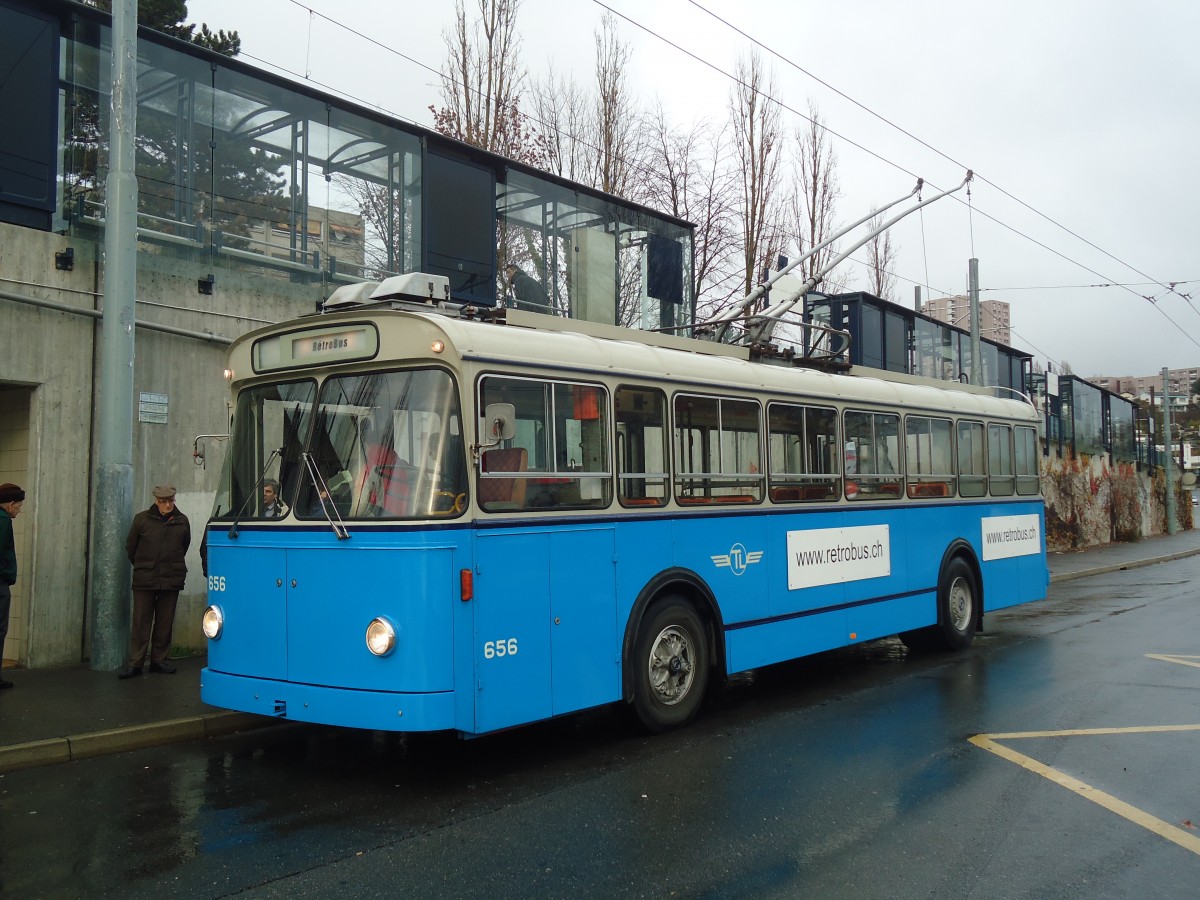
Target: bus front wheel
<point x="958" y="611"/>
<point x="670" y="665"/>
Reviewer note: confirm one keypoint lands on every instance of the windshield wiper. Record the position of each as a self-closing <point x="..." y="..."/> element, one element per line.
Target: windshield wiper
<point x="325" y="498"/>
<point x="233" y="529"/>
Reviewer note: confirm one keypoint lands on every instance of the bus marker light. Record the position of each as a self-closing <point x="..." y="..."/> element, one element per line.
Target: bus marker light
<point x="437" y="346"/>
<point x="466" y="584"/>
<point x="854" y="635"/>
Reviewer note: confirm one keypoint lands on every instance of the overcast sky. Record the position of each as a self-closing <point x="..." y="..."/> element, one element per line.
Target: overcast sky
<point x="1078" y="111"/>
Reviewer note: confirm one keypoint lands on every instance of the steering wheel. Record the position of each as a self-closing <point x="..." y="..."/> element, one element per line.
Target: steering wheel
<point x="458" y="502"/>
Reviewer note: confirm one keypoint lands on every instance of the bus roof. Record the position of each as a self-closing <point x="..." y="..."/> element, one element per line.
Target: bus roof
<point x="566" y="346"/>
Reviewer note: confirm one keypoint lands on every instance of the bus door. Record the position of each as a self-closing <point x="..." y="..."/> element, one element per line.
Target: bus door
<point x="545" y="624"/>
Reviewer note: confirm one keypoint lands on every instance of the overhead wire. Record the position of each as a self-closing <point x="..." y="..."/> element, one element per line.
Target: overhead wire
<point x="923" y="143"/>
<point x="881" y="158"/>
<point x="732" y="77"/>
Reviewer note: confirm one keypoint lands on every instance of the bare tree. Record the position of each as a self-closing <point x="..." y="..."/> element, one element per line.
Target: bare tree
<point x="812" y="206"/>
<point x="482" y="80"/>
<point x="617" y="121"/>
<point x="692" y="181"/>
<point x="881" y="259"/>
<point x="563" y="117"/>
<point x="757" y="138"/>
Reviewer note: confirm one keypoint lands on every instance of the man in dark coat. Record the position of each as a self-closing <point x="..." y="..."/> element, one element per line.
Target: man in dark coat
<point x="527" y="291"/>
<point x="12" y="498"/>
<point x="157" y="547"/>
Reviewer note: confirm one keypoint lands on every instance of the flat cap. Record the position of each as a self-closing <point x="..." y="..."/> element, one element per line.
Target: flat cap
<point x="164" y="491"/>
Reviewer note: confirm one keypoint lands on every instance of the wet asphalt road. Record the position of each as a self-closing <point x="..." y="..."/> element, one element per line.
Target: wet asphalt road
<point x="847" y="775"/>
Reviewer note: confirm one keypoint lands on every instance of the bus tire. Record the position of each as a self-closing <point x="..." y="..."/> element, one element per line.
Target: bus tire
<point x="958" y="611"/>
<point x="670" y="665"/>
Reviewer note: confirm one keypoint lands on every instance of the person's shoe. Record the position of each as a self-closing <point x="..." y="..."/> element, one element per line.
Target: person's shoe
<point x="162" y="668"/>
<point x="5" y="684"/>
<point x="129" y="672"/>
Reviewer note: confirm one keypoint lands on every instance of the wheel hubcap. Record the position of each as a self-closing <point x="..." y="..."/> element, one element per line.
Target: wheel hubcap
<point x="962" y="604"/>
<point x="670" y="665"/>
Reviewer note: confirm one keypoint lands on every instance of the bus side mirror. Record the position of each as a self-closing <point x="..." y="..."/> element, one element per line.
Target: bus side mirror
<point x="499" y="423"/>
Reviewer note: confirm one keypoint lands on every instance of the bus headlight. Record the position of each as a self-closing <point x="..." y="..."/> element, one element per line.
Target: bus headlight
<point x="212" y="622"/>
<point x="381" y="636"/>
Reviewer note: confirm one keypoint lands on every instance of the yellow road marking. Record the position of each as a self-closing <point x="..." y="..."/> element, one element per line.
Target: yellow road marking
<point x="1120" y="807"/>
<point x="1176" y="658"/>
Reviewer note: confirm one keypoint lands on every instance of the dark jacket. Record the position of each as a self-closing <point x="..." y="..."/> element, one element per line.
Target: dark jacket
<point x="8" y="550"/>
<point x="529" y="293"/>
<point x="157" y="548"/>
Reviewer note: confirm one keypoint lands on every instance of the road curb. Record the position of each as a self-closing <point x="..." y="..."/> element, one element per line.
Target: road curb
<point x="1117" y="567"/>
<point x="131" y="737"/>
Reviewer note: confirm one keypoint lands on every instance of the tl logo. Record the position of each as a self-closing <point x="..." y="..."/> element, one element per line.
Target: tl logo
<point x="738" y="559"/>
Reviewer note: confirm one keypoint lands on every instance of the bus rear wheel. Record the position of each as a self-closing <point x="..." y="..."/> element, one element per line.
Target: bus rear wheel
<point x="958" y="611"/>
<point x="670" y="665"/>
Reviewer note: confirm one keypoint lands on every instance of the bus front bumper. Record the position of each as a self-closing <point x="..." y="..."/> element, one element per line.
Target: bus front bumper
<point x="287" y="701"/>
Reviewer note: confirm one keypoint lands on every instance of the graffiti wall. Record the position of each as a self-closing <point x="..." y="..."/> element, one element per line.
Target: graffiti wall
<point x="1091" y="501"/>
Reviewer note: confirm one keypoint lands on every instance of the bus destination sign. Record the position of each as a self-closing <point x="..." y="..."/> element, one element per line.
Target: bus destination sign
<point x="315" y="346"/>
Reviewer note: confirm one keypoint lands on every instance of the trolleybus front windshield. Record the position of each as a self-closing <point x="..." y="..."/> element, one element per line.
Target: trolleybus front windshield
<point x="383" y="445"/>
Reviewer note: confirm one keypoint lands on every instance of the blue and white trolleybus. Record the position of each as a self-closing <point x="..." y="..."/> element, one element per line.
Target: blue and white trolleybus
<point x="490" y="520"/>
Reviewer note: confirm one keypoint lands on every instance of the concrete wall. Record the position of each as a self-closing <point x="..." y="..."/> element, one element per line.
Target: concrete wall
<point x="48" y="396"/>
<point x="46" y="376"/>
<point x="14" y="467"/>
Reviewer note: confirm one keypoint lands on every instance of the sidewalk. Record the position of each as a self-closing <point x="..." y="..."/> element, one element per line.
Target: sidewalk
<point x="58" y="715"/>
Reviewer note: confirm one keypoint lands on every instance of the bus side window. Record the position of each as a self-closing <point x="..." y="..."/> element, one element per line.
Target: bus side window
<point x="929" y="456"/>
<point x="717" y="450"/>
<point x="641" y="446"/>
<point x="873" y="444"/>
<point x="801" y="442"/>
<point x="561" y="433"/>
<point x="1000" y="460"/>
<point x="972" y="460"/>
<point x="1025" y="458"/>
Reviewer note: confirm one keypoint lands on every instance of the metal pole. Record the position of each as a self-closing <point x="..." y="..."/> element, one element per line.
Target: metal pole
<point x="973" y="282"/>
<point x="113" y="501"/>
<point x="1168" y="459"/>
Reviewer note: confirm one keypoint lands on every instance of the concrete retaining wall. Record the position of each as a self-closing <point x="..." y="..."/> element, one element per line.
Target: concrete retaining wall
<point x="48" y="378"/>
<point x="1091" y="501"/>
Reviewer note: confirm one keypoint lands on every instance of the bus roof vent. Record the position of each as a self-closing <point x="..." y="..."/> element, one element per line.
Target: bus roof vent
<point x="416" y="286"/>
<point x="350" y="295"/>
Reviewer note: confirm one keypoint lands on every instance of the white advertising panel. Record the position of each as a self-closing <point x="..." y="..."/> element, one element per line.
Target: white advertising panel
<point x="836" y="555"/>
<point x="1008" y="536"/>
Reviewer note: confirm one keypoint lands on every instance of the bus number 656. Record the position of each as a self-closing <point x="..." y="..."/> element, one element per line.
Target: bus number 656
<point x="505" y="647"/>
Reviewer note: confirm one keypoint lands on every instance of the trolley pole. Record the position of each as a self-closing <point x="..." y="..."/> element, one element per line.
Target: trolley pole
<point x="1168" y="458"/>
<point x="113" y="501"/>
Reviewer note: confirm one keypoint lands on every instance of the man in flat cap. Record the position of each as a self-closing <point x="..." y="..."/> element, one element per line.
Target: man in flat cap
<point x="12" y="498"/>
<point x="157" y="547"/>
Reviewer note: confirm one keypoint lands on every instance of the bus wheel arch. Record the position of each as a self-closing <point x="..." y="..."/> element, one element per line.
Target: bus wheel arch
<point x="959" y="603"/>
<point x="674" y="623"/>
